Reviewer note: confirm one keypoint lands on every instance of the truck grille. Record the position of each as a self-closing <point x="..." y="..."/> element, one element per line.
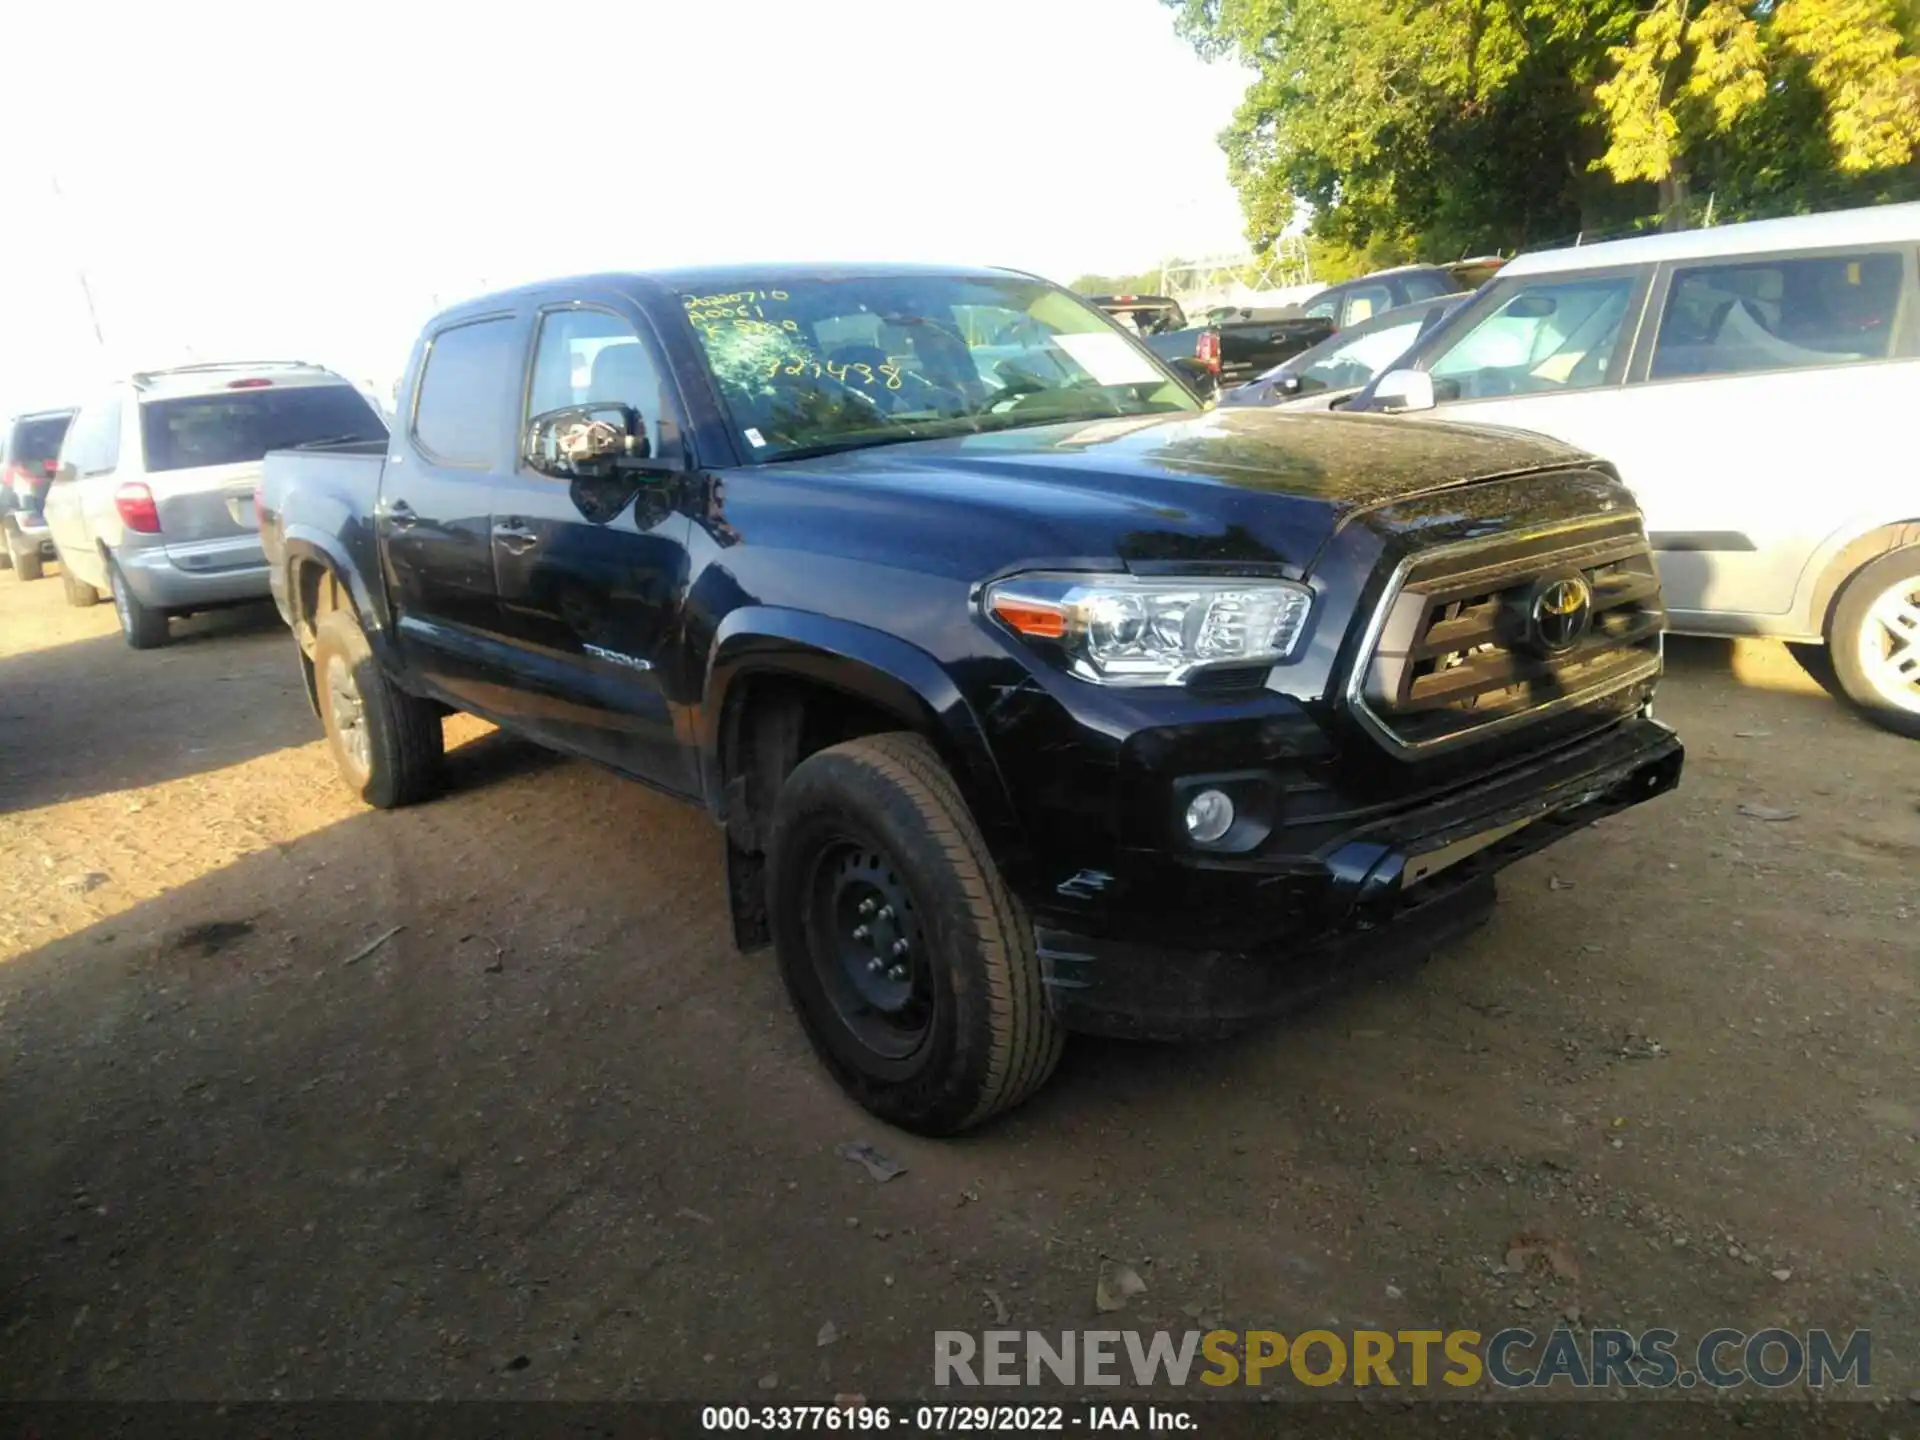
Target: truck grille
<point x="1472" y="639"/>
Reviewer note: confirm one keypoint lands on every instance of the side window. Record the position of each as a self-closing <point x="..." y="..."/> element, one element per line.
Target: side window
<point x="1779" y="314"/>
<point x="1365" y="303"/>
<point x="92" y="445"/>
<point x="1321" y="309"/>
<point x="1538" y="335"/>
<point x="464" y="391"/>
<point x="586" y="357"/>
<point x="1421" y="285"/>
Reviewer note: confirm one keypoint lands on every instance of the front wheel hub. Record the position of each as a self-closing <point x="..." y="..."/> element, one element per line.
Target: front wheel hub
<point x="870" y="950"/>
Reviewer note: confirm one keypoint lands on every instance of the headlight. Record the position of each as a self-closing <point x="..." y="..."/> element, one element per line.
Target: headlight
<point x="1121" y="630"/>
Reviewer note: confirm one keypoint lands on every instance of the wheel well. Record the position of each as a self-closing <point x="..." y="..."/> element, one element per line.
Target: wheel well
<point x="317" y="592"/>
<point x="771" y="724"/>
<point x="1856" y="556"/>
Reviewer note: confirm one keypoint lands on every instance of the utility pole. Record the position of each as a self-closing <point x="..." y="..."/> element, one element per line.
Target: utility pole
<point x="80" y="270"/>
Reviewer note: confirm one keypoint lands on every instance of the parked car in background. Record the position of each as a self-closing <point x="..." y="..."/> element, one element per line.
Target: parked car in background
<point x="153" y="498"/>
<point x="29" y="455"/>
<point x="1329" y="373"/>
<point x="1352" y="301"/>
<point x="1231" y="351"/>
<point x="1476" y="270"/>
<point x="1753" y="384"/>
<point x="1027" y="696"/>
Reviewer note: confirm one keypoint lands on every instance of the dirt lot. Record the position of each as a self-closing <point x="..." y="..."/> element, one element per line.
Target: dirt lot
<point x="555" y="1137"/>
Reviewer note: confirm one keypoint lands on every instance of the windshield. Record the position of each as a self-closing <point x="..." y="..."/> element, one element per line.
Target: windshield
<point x="811" y="366"/>
<point x="1350" y="359"/>
<point x="233" y="426"/>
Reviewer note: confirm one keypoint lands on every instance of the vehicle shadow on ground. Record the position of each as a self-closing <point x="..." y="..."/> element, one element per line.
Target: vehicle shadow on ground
<point x="440" y="1062"/>
<point x="92" y="716"/>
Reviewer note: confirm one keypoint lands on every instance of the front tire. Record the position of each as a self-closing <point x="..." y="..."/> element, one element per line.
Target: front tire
<point x="143" y="627"/>
<point x="1875" y="641"/>
<point x="27" y="564"/>
<point x="387" y="744"/>
<point x="911" y="964"/>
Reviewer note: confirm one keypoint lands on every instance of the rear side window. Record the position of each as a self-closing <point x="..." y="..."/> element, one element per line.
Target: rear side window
<point x="1780" y="314"/>
<point x="234" y="427"/>
<point x="1366" y="302"/>
<point x="35" y="444"/>
<point x="92" y="445"/>
<point x="463" y="393"/>
<point x="1427" y="285"/>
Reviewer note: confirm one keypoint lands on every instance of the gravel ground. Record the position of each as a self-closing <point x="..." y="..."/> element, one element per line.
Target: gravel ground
<point x="554" y="1137"/>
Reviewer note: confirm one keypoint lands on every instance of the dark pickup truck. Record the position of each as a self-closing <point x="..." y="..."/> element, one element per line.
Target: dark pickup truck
<point x="1028" y="696"/>
<point x="1232" y="351"/>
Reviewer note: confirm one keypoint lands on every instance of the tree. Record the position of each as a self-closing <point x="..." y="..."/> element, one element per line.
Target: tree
<point x="1425" y="131"/>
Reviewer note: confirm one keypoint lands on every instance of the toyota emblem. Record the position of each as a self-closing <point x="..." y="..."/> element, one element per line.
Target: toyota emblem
<point x="1562" y="613"/>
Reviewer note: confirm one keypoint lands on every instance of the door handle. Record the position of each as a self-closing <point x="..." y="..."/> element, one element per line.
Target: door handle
<point x="400" y="515"/>
<point x="514" y="536"/>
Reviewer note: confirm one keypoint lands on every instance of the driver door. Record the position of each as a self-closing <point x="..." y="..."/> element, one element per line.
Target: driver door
<point x="591" y="571"/>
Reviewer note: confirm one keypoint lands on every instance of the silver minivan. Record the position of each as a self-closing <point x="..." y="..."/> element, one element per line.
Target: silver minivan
<point x="152" y="502"/>
<point x="1752" y="384"/>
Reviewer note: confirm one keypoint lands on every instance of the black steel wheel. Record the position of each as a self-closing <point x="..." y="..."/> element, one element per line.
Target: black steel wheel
<point x="910" y="963"/>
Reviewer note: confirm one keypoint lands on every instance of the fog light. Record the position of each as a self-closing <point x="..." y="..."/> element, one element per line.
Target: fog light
<point x="1209" y="816"/>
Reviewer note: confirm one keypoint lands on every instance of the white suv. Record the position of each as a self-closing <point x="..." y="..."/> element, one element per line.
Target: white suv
<point x="153" y="498"/>
<point x="1752" y="383"/>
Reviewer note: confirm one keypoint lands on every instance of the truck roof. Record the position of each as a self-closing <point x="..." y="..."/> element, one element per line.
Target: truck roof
<point x="755" y="275"/>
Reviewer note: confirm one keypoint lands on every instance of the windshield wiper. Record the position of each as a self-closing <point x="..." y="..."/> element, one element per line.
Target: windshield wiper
<point x="836" y="447"/>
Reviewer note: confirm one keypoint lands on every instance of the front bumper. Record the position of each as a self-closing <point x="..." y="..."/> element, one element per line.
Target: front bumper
<point x="1369" y="896"/>
<point x="197" y="575"/>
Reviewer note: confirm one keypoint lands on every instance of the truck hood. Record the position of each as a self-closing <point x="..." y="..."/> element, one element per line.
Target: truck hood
<point x="1230" y="486"/>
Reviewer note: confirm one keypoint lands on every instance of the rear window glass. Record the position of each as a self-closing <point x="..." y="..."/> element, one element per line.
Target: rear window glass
<point x="236" y="426"/>
<point x="35" y="442"/>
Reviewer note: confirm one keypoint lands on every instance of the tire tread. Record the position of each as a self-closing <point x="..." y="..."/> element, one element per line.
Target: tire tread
<point x="1026" y="1040"/>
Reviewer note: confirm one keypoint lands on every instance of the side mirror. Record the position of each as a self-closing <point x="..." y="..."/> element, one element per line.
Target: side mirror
<point x="1287" y="384"/>
<point x="1399" y="391"/>
<point x="1198" y="377"/>
<point x="588" y="440"/>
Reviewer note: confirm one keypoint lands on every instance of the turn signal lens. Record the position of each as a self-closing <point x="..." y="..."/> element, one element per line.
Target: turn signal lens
<point x="1042" y="622"/>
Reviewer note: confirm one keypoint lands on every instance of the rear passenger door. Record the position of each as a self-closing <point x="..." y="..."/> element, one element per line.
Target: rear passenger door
<point x="1772" y="406"/>
<point x="435" y="511"/>
<point x="591" y="571"/>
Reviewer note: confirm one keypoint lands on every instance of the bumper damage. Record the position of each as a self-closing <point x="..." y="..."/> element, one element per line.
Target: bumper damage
<point x="1393" y="891"/>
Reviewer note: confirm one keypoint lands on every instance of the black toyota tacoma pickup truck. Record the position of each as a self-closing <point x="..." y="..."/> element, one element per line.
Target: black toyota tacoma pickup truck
<point x="1028" y="696"/>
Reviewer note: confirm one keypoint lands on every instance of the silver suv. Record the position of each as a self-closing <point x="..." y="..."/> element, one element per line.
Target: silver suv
<point x="153" y="498"/>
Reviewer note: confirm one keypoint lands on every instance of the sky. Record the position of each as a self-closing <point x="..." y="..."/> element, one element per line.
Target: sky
<point x="266" y="181"/>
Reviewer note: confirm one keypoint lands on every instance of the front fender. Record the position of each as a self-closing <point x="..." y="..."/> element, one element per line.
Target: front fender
<point x="872" y="666"/>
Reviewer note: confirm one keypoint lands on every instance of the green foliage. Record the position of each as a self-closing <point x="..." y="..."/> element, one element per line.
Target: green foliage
<point x="1429" y="129"/>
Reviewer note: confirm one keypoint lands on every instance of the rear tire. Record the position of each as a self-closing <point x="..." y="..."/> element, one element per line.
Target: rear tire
<point x="387" y="744"/>
<point x="1875" y="641"/>
<point x="144" y="628"/>
<point x="911" y="964"/>
<point x="79" y="593"/>
<point x="27" y="564"/>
